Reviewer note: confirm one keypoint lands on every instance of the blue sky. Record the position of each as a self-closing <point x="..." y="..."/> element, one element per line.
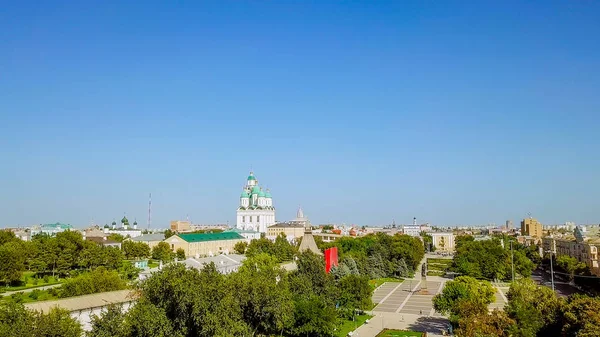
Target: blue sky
<point x="362" y="112"/>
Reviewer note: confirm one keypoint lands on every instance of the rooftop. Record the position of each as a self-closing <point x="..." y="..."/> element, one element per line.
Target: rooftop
<point x="149" y="237"/>
<point x="201" y="237"/>
<point x="287" y="225"/>
<point x="220" y="261"/>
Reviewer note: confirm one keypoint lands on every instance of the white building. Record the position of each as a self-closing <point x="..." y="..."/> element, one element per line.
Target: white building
<point x="125" y="229"/>
<point x="412" y="230"/>
<point x="256" y="211"/>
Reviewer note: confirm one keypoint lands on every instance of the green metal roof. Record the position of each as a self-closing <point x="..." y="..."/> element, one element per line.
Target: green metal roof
<point x="57" y="225"/>
<point x="261" y="193"/>
<point x="267" y="194"/>
<point x="251" y="176"/>
<point x="245" y="194"/>
<point x="202" y="237"/>
<point x="255" y="190"/>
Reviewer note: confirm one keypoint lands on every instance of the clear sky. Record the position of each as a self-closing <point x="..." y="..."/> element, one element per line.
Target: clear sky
<point x="455" y="112"/>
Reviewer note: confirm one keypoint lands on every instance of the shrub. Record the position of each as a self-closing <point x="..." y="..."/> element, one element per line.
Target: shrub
<point x="46" y="278"/>
<point x="34" y="294"/>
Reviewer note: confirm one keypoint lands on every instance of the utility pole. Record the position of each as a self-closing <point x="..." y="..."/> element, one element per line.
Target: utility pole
<point x="512" y="262"/>
<point x="551" y="271"/>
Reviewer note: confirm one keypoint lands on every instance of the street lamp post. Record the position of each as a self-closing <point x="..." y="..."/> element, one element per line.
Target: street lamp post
<point x="512" y="262"/>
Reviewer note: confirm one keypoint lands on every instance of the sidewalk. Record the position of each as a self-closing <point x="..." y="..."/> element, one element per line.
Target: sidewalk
<point x="382" y="320"/>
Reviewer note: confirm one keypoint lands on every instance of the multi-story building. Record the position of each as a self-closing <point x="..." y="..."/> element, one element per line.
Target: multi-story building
<point x="256" y="211"/>
<point x="180" y="226"/>
<point x="443" y="241"/>
<point x="293" y="229"/>
<point x="150" y="239"/>
<point x="531" y="227"/>
<point x="205" y="244"/>
<point x="578" y="246"/>
<point x="50" y="229"/>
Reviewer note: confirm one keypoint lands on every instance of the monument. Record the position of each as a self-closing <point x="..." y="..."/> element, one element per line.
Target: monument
<point x="423" y="290"/>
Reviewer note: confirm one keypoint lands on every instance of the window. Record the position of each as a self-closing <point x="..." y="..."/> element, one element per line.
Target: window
<point x="258" y="218"/>
<point x="243" y="218"/>
<point x="251" y="218"/>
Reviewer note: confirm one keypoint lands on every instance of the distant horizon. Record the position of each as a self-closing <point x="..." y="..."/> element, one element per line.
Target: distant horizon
<point x="361" y="112"/>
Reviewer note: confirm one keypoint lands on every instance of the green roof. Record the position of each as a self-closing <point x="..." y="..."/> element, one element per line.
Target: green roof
<point x="255" y="190"/>
<point x="202" y="237"/>
<point x="267" y="194"/>
<point x="245" y="194"/>
<point x="251" y="176"/>
<point x="57" y="225"/>
<point x="261" y="193"/>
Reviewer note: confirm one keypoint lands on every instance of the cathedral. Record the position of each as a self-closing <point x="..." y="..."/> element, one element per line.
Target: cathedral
<point x="256" y="211"/>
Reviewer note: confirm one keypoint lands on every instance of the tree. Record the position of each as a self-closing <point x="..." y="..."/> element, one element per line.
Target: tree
<point x="259" y="246"/>
<point x="282" y="249"/>
<point x="355" y="292"/>
<point x="180" y="254"/>
<point x="484" y="324"/>
<point x="581" y="316"/>
<point x="135" y="250"/>
<point x="534" y="308"/>
<point x="264" y="297"/>
<point x="116" y="237"/>
<point x="162" y="252"/>
<point x="57" y="322"/>
<point x="13" y="264"/>
<point x="109" y="323"/>
<point x="169" y="233"/>
<point x="313" y="317"/>
<point x="15" y="321"/>
<point x="147" y="320"/>
<point x="570" y="265"/>
<point x="240" y="247"/>
<point x="98" y="280"/>
<point x="461" y="289"/>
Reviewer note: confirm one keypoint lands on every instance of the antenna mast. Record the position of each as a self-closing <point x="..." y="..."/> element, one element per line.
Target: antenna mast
<point x="149" y="210"/>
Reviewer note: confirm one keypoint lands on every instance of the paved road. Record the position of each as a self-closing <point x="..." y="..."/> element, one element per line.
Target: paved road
<point x="561" y="287"/>
<point x="408" y="297"/>
<point x="499" y="299"/>
<point x="8" y="293"/>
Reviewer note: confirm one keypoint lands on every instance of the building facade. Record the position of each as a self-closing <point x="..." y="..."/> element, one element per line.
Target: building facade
<point x="150" y="239"/>
<point x="180" y="226"/>
<point x="443" y="241"/>
<point x="125" y="229"/>
<point x="50" y="229"/>
<point x="205" y="244"/>
<point x="256" y="211"/>
<point x="584" y="249"/>
<point x="531" y="227"/>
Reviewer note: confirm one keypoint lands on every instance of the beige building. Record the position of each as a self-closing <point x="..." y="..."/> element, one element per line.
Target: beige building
<point x="531" y="227"/>
<point x="150" y="239"/>
<point x="583" y="249"/>
<point x="205" y="244"/>
<point x="443" y="241"/>
<point x="180" y="226"/>
<point x="291" y="230"/>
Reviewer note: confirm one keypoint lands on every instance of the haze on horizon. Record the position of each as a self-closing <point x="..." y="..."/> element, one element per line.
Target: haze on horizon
<point x="451" y="112"/>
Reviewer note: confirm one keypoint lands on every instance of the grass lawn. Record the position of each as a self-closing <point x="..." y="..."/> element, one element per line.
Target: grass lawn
<point x="32" y="296"/>
<point x="400" y="333"/>
<point x="440" y="261"/>
<point x="379" y="281"/>
<point x="348" y="326"/>
<point x="29" y="281"/>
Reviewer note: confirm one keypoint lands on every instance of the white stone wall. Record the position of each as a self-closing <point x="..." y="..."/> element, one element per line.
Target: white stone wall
<point x="257" y="220"/>
<point x="85" y="317"/>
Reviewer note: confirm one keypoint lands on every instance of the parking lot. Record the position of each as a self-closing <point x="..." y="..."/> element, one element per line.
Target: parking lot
<point x="406" y="298"/>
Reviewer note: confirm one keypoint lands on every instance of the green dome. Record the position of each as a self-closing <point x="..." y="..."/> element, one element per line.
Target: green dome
<point x="245" y="195"/>
<point x="256" y="190"/>
<point x="251" y="176"/>
<point x="261" y="193"/>
<point x="267" y="194"/>
<point x="124" y="220"/>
